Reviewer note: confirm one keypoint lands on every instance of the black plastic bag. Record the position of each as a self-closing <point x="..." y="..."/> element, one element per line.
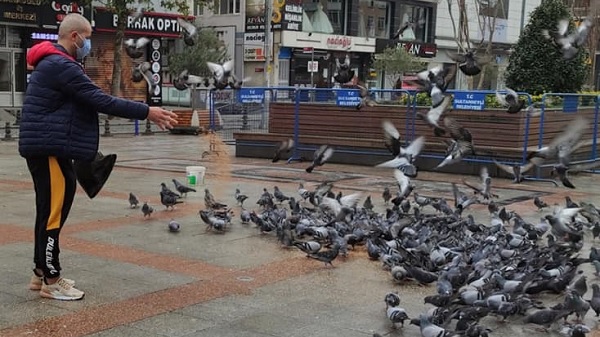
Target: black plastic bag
<point x="93" y="175"/>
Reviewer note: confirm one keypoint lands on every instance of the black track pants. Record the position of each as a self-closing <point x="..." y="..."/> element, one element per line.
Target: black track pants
<point x="55" y="184"/>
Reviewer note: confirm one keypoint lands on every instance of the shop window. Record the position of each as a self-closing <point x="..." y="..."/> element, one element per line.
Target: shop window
<point x="226" y="7"/>
<point x="2" y="36"/>
<point x="198" y="8"/>
<point x="373" y="18"/>
<point x="497" y="8"/>
<point x="323" y="16"/>
<point x="419" y="22"/>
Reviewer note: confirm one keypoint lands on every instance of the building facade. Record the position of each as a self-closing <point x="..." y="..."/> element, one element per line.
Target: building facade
<point x="24" y="23"/>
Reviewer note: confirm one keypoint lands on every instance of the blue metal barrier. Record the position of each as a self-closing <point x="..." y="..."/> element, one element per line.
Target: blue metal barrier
<point x="570" y="104"/>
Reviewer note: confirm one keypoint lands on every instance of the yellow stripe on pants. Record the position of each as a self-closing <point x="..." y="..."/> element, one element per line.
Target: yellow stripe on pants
<point x="57" y="194"/>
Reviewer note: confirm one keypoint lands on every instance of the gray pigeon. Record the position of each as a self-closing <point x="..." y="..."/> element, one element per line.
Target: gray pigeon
<point x="397" y="315"/>
<point x="322" y="155"/>
<point x="283" y="147"/>
<point x="461" y="144"/>
<point x="510" y="100"/>
<point x="429" y="329"/>
<point x="182" y="189"/>
<point x="539" y="203"/>
<point x="392" y="299"/>
<point x="136" y="48"/>
<point x="147" y="209"/>
<point x="469" y="63"/>
<point x="326" y="256"/>
<point x="545" y="317"/>
<point x="569" y="43"/>
<point x="174" y="226"/>
<point x="143" y="72"/>
<point x="188" y="31"/>
<point x="580" y="286"/>
<point x="133" y="200"/>
<point x="595" y="301"/>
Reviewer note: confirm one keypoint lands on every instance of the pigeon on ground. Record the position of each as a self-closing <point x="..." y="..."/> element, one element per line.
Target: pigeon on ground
<point x="595" y="300"/>
<point x="569" y="44"/>
<point x="174" y="226"/>
<point x="188" y="31"/>
<point x="365" y="98"/>
<point x="539" y="203"/>
<point x="386" y="195"/>
<point x="309" y="247"/>
<point x="239" y="197"/>
<point x="434" y="114"/>
<point x="429" y="329"/>
<point x="580" y="286"/>
<point x="182" y="189"/>
<point x="136" y="48"/>
<point x="392" y="299"/>
<point x="133" y="200"/>
<point x="164" y="189"/>
<point x="368" y="203"/>
<point x="245" y="217"/>
<point x="344" y="73"/>
<point x="169" y="200"/>
<point x="143" y="72"/>
<point x="397" y="315"/>
<point x="510" y="100"/>
<point x="515" y="170"/>
<point x="469" y="63"/>
<point x="321" y="156"/>
<point x="461" y="144"/>
<point x="210" y="202"/>
<point x="279" y="196"/>
<point x="283" y="147"/>
<point x="545" y="317"/>
<point x="326" y="256"/>
<point x="147" y="209"/>
<point x="218" y="223"/>
<point x="576" y="330"/>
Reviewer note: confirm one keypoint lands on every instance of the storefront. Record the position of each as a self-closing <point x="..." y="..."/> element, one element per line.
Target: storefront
<point x="312" y="58"/>
<point x="163" y="31"/>
<point x="424" y="51"/>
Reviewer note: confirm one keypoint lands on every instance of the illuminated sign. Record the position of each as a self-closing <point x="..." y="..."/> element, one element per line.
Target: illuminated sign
<point x="44" y="36"/>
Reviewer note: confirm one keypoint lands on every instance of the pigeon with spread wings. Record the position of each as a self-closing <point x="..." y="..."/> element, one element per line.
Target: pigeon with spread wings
<point x="569" y="43"/>
<point x="485" y="188"/>
<point x="515" y="170"/>
<point x="469" y="63"/>
<point x="135" y="48"/>
<point x="510" y="100"/>
<point x="188" y="31"/>
<point x="221" y="73"/>
<point x="461" y="144"/>
<point x="344" y="73"/>
<point x="365" y="97"/>
<point x="434" y="114"/>
<point x="435" y="82"/>
<point x="143" y="72"/>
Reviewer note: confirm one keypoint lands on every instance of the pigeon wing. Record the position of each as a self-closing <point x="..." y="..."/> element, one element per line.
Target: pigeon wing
<point x="402" y="180"/>
<point x="456" y="57"/>
<point x="501" y="99"/>
<point x="414" y="148"/>
<point x="351" y="200"/>
<point x="504" y="167"/>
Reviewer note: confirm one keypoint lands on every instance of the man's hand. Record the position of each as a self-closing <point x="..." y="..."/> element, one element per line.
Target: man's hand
<point x="164" y="119"/>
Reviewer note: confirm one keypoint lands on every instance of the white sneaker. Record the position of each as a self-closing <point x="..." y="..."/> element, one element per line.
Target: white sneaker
<point x="61" y="290"/>
<point x="36" y="282"/>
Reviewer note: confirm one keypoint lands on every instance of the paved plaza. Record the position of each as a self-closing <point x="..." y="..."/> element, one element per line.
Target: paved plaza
<point x="142" y="280"/>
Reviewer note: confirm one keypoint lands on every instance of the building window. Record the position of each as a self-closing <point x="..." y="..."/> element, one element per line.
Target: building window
<point x="323" y="16"/>
<point x="417" y="23"/>
<point x="198" y="8"/>
<point x="226" y="7"/>
<point x="373" y="18"/>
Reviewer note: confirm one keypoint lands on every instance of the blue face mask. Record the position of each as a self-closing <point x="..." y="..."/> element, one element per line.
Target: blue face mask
<point x="84" y="50"/>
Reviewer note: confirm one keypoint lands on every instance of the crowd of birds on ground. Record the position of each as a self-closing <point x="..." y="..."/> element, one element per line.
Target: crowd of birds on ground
<point x="497" y="268"/>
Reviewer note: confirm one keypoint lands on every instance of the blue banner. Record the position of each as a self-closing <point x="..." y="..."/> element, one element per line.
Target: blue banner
<point x="469" y="101"/>
<point x="347" y="98"/>
<point x="252" y="95"/>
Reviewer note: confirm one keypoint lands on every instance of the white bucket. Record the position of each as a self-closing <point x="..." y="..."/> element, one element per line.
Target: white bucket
<point x="195" y="175"/>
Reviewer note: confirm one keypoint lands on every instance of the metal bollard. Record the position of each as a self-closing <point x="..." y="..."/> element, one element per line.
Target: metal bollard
<point x="148" y="130"/>
<point x="107" y="128"/>
<point x="245" y="120"/>
<point x="18" y="117"/>
<point x="7" y="132"/>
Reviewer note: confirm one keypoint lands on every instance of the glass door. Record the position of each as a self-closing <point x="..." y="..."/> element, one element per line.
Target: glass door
<point x="6" y="82"/>
<point x="12" y="78"/>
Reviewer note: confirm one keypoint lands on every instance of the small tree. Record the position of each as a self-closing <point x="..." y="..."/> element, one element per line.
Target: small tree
<point x="537" y="65"/>
<point x="395" y="61"/>
<point x="208" y="48"/>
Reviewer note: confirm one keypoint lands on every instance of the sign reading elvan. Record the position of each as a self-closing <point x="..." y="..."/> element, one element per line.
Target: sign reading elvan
<point x="151" y="24"/>
<point x="419" y="49"/>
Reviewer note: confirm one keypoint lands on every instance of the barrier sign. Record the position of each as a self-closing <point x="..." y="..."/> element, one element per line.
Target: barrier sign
<point x="469" y="101"/>
<point x="348" y="98"/>
<point x="252" y="95"/>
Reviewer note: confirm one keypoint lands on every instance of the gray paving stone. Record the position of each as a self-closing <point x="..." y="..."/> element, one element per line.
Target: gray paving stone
<point x="122" y="331"/>
<point x="28" y="311"/>
<point x="225" y="331"/>
<point x="173" y="324"/>
<point x="225" y="309"/>
<point x="269" y="323"/>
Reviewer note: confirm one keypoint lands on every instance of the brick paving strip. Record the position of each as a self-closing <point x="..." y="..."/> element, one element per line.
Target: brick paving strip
<point x="213" y="281"/>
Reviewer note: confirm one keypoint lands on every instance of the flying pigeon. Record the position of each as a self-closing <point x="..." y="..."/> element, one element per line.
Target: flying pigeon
<point x="434" y="114"/>
<point x="221" y="73"/>
<point x="404" y="161"/>
<point x="510" y="100"/>
<point x="344" y="74"/>
<point x="461" y="144"/>
<point x="469" y="63"/>
<point x="188" y="31"/>
<point x="485" y="188"/>
<point x="322" y="155"/>
<point x="365" y="98"/>
<point x="435" y="82"/>
<point x="515" y="170"/>
<point x="135" y="48"/>
<point x="391" y="137"/>
<point x="143" y="72"/>
<point x="569" y="44"/>
<point x="283" y="147"/>
<point x="138" y="13"/>
<point x="133" y="200"/>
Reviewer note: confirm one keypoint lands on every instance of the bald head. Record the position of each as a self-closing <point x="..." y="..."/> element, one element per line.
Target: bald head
<point x="73" y="31"/>
<point x="74" y="22"/>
